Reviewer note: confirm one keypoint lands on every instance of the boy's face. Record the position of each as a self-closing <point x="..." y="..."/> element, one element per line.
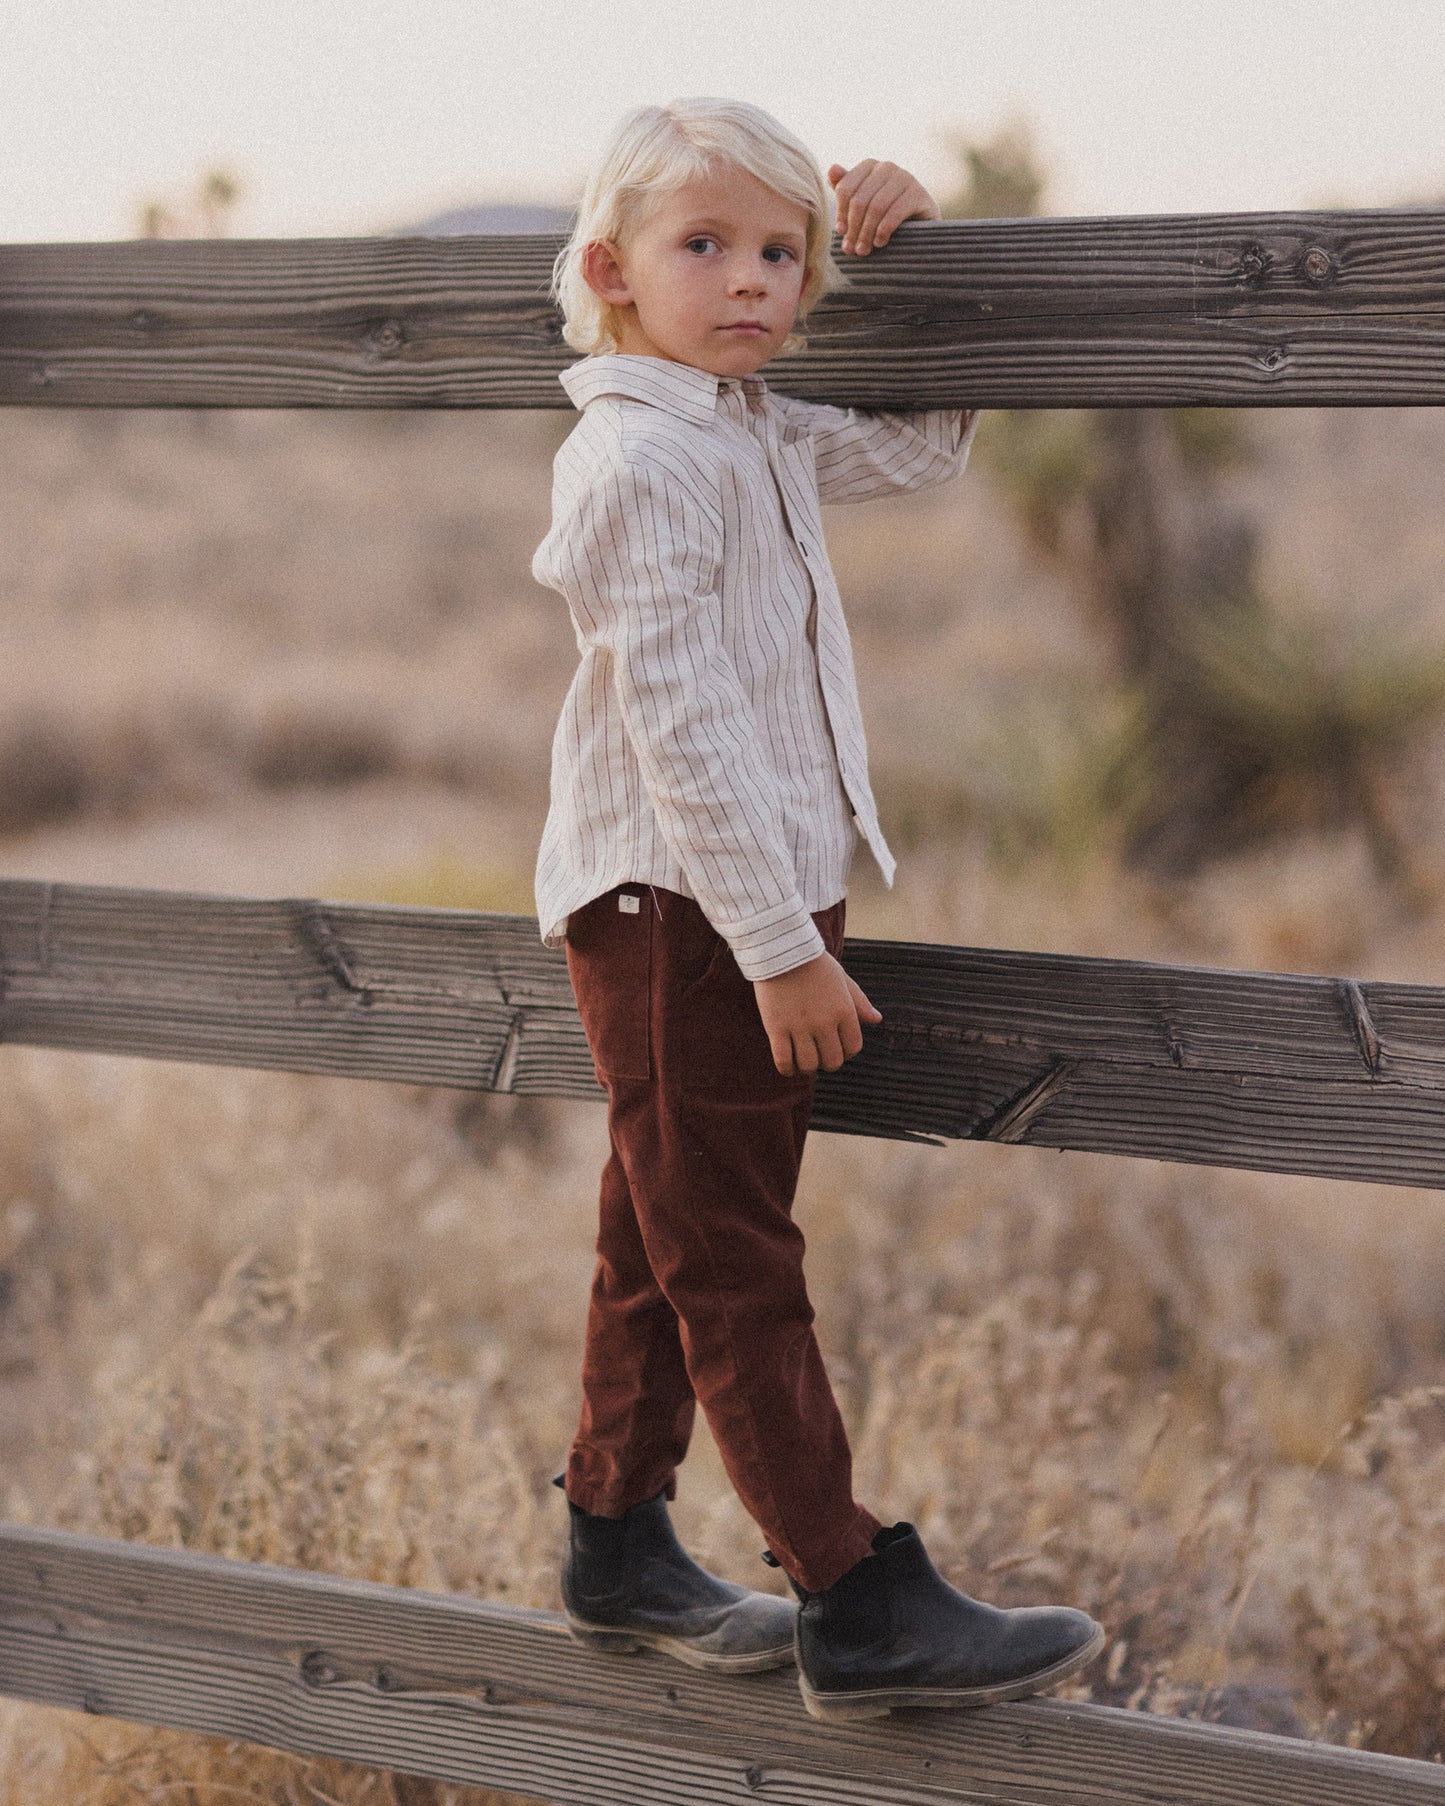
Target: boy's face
<point x="711" y="277"/>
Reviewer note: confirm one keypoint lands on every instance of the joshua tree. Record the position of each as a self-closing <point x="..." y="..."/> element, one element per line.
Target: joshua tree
<point x="1250" y="726"/>
<point x="218" y="194"/>
<point x="205" y="214"/>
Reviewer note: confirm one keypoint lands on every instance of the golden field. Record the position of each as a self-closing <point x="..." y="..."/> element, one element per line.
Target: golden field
<point x="338" y="1324"/>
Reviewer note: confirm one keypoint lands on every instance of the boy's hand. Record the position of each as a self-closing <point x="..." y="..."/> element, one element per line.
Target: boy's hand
<point x="812" y="1016"/>
<point x="873" y="198"/>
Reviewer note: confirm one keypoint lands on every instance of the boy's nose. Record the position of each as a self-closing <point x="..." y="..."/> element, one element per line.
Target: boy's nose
<point x="750" y="278"/>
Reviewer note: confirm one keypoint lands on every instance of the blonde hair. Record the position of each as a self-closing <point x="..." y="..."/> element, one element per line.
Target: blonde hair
<point x="654" y="151"/>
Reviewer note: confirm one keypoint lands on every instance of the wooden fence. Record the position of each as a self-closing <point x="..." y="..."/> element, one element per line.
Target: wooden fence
<point x="1245" y="1069"/>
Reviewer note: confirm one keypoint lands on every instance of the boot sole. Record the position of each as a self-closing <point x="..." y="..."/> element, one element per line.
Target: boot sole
<point x="878" y="1702"/>
<point x="630" y="1642"/>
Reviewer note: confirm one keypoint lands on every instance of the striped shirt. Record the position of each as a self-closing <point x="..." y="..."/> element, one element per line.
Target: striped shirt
<point x="711" y="741"/>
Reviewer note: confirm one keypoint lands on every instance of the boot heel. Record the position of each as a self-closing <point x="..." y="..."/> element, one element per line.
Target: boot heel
<point x="839" y="1709"/>
<point x="614" y="1642"/>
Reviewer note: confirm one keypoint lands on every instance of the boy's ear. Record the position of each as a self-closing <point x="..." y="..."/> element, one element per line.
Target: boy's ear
<point x="603" y="273"/>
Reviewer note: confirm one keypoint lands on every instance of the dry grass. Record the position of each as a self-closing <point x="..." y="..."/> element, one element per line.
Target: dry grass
<point x="339" y="1324"/>
<point x="1124" y="1386"/>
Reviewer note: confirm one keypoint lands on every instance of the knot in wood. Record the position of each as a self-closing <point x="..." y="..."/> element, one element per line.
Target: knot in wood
<point x="1319" y="265"/>
<point x="388" y="1681"/>
<point x="388" y="338"/>
<point x="1254" y="265"/>
<point x="753" y="1776"/>
<point x="316" y="1671"/>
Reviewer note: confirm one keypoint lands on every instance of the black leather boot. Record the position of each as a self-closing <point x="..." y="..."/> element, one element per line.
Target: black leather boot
<point x="892" y="1632"/>
<point x="629" y="1584"/>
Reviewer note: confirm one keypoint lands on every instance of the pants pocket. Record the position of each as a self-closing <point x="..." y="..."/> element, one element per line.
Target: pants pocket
<point x="729" y="1056"/>
<point x="609" y="957"/>
<point x="717" y="1016"/>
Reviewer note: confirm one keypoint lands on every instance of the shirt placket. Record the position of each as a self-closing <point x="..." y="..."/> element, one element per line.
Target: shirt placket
<point x="788" y="457"/>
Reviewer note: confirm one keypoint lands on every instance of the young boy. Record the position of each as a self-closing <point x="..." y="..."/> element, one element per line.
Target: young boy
<point x="709" y="777"/>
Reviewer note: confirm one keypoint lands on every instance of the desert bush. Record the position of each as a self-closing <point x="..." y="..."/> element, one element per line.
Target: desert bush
<point x="319" y="747"/>
<point x="1309" y="728"/>
<point x="1367" y="1599"/>
<point x="42" y="778"/>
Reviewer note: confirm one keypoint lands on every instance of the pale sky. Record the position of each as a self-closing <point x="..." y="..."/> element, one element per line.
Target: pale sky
<point x="359" y="116"/>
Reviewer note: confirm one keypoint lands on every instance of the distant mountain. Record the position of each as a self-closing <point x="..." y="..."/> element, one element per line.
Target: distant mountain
<point x="495" y="216"/>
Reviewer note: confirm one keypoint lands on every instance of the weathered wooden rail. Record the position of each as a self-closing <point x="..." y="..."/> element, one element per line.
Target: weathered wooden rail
<point x="1245" y="1069"/>
<point x="1244" y="309"/>
<point x="1248" y="1069"/>
<point x="444" y="1686"/>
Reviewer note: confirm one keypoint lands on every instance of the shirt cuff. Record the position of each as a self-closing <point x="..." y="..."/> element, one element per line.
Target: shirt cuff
<point x="950" y="431"/>
<point x="773" y="941"/>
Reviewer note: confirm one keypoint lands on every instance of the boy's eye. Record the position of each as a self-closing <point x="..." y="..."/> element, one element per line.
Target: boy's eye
<point x="783" y="251"/>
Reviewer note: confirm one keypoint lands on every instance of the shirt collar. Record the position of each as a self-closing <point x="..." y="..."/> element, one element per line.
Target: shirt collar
<point x="682" y="389"/>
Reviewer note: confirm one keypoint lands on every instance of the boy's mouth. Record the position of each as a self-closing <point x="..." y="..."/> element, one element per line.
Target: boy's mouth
<point x="749" y="328"/>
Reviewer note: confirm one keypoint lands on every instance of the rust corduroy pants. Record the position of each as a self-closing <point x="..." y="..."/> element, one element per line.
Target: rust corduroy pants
<point x="698" y="1295"/>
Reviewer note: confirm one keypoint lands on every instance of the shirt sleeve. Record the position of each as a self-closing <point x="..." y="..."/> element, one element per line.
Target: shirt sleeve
<point x="642" y="571"/>
<point x="861" y="455"/>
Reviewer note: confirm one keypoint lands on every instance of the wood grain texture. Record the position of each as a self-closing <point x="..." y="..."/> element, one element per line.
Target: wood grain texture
<point x="1249" y="1069"/>
<point x="1238" y="309"/>
<point x="453" y="1688"/>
